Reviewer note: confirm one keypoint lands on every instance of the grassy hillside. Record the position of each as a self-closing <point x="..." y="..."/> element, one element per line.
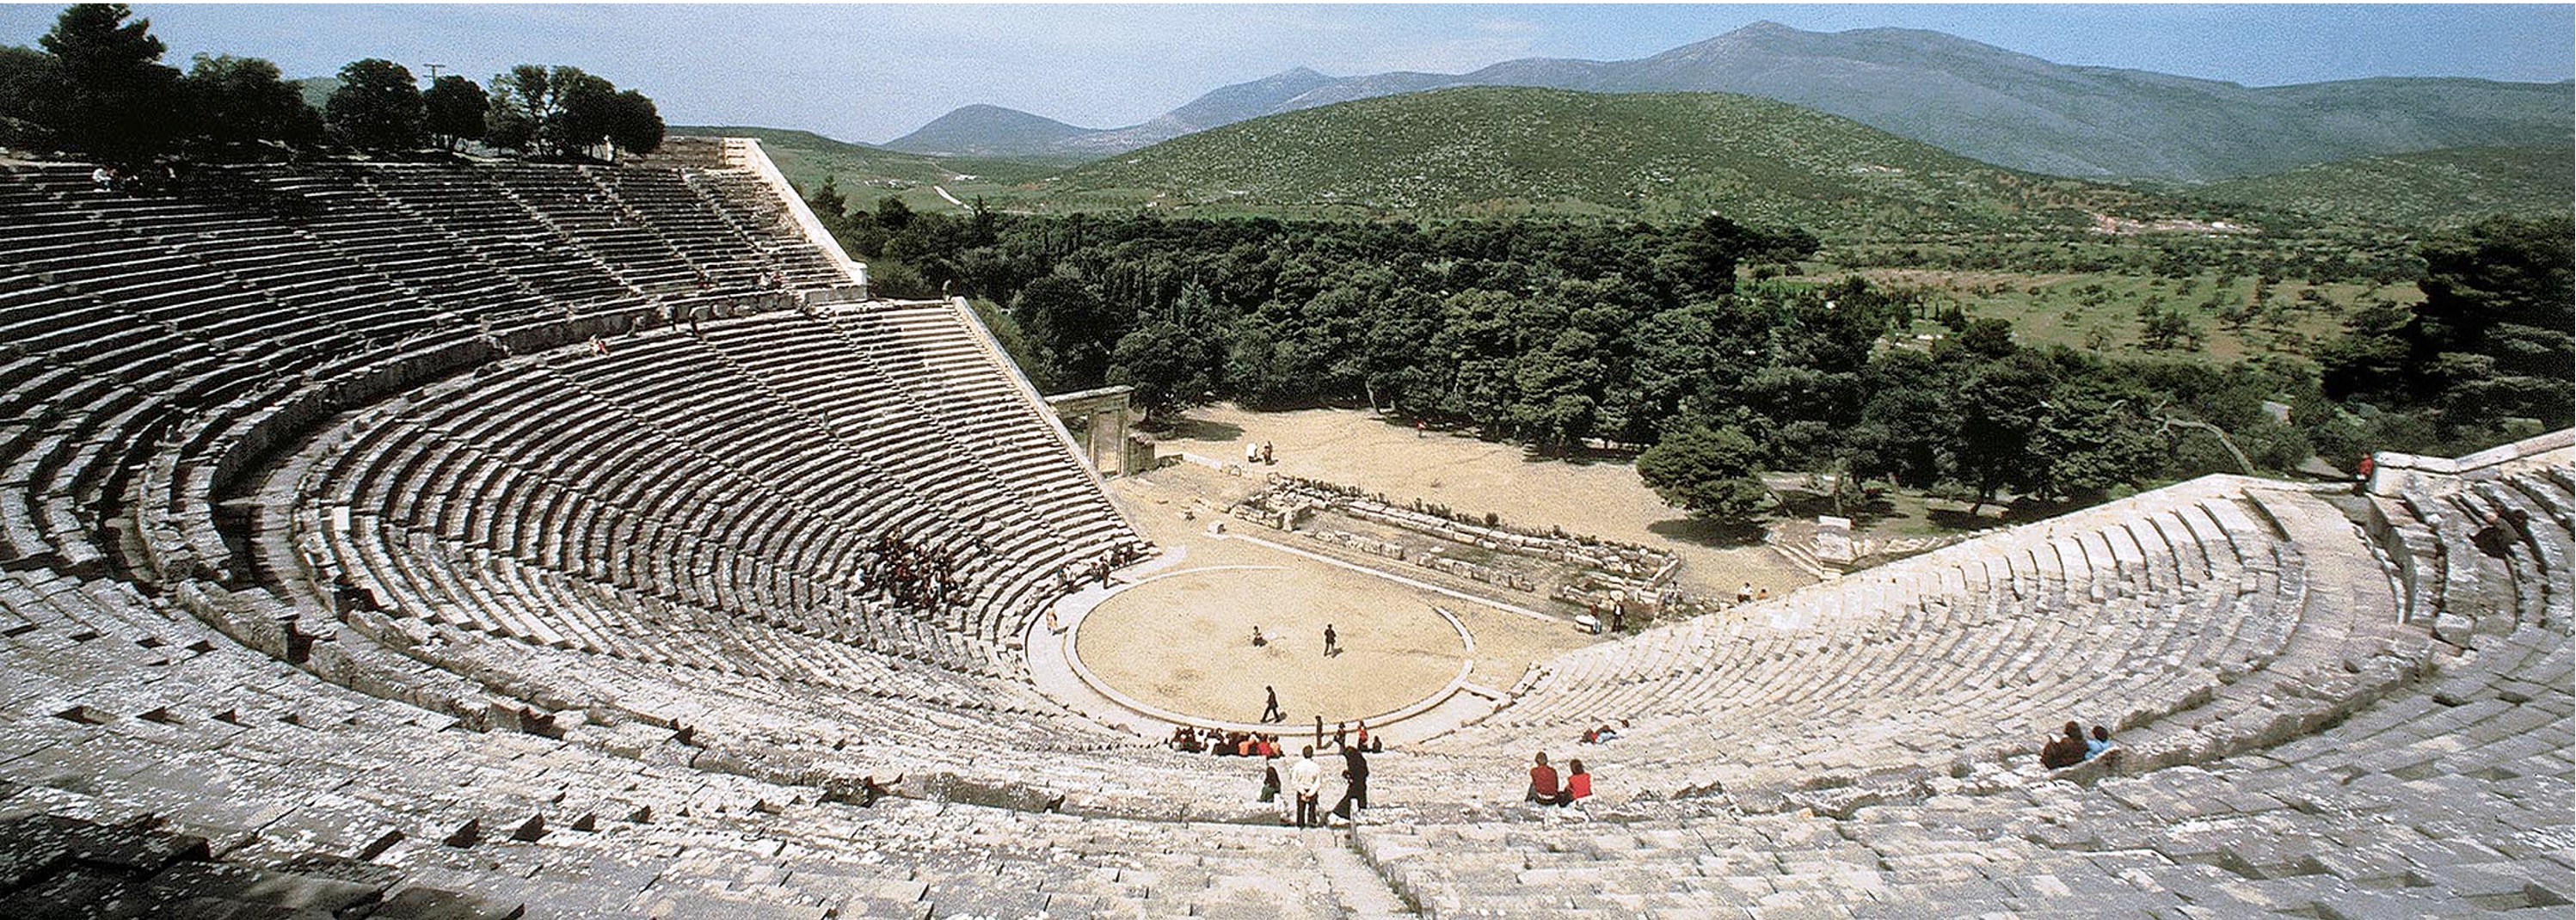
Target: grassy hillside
<point x="865" y="173"/>
<point x="1491" y="151"/>
<point x="2432" y="189"/>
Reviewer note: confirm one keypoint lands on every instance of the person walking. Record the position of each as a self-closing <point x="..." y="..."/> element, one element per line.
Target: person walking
<point x="1270" y="708"/>
<point x="1307" y="777"/>
<point x="1355" y="771"/>
<point x="1332" y="642"/>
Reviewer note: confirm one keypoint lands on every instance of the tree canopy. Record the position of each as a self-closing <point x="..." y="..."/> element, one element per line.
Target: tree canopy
<point x="2487" y="355"/>
<point x="112" y="98"/>
<point x="562" y="111"/>
<point x="97" y="88"/>
<point x="377" y="107"/>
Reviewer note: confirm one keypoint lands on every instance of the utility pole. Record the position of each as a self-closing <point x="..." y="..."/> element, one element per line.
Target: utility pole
<point x="433" y="71"/>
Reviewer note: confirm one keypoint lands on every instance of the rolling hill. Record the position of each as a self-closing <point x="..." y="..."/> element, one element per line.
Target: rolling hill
<point x="2432" y="189"/>
<point x="1976" y="99"/>
<point x="1505" y="151"/>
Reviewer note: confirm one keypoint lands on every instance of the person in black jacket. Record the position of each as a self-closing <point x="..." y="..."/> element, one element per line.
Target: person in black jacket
<point x="1355" y="774"/>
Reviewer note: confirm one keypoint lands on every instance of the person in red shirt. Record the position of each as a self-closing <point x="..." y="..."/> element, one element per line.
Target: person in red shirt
<point x="1542" y="787"/>
<point x="1578" y="784"/>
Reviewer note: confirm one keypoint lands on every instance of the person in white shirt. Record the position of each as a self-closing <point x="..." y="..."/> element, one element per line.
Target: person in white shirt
<point x="1307" y="777"/>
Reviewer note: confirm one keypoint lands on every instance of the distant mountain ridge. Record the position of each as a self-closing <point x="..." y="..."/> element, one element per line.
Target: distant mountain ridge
<point x="1516" y="151"/>
<point x="1978" y="100"/>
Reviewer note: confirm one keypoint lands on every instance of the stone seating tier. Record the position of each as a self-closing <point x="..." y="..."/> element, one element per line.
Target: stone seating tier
<point x="153" y="764"/>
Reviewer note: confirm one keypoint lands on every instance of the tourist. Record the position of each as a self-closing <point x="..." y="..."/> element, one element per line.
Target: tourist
<point x="1744" y="595"/>
<point x="2101" y="741"/>
<point x="1332" y="643"/>
<point x="105" y="180"/>
<point x="1053" y="627"/>
<point x="2361" y="475"/>
<point x="1542" y="783"/>
<point x="1341" y="736"/>
<point x="1355" y="791"/>
<point x="1270" y="779"/>
<point x="1251" y="453"/>
<point x="1578" y="784"/>
<point x="1363" y="739"/>
<point x="1269" y="707"/>
<point x="1308" y="777"/>
<point x="1762" y="595"/>
<point x="1267" y="458"/>
<point x="1417" y="429"/>
<point x="2066" y="750"/>
<point x="1257" y="640"/>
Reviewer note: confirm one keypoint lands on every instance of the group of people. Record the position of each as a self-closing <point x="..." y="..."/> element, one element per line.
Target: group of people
<point x="1189" y="740"/>
<point x="1070" y="579"/>
<point x="2071" y="747"/>
<point x="1603" y="733"/>
<point x="1545" y="790"/>
<point x="1304" y="779"/>
<point x="1306" y="782"/>
<point x="1258" y="453"/>
<point x="914" y="576"/>
<point x="117" y="179"/>
<point x="1332" y="641"/>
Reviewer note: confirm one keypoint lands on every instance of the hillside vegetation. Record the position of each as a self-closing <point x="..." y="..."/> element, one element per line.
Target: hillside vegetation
<point x="1490" y="151"/>
<point x="866" y="172"/>
<point x="2440" y="188"/>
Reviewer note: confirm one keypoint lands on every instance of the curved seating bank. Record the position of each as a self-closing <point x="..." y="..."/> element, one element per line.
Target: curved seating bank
<point x="495" y="539"/>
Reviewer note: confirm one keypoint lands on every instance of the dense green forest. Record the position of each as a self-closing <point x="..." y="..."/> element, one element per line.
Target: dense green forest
<point x="1566" y="336"/>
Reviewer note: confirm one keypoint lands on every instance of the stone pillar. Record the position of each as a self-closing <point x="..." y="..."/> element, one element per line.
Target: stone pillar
<point x="1834" y="542"/>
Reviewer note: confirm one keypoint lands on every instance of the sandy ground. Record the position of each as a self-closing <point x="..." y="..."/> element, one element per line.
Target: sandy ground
<point x="1181" y="638"/>
<point x="1602" y="498"/>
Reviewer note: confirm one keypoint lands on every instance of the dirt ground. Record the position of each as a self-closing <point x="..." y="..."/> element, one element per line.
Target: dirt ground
<point x="1181" y="638"/>
<point x="1601" y="498"/>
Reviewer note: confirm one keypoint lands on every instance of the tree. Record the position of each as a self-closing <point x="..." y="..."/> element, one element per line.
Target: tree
<point x="1714" y="474"/>
<point x="1166" y="362"/>
<point x="119" y="104"/>
<point x="633" y="124"/>
<point x="522" y="102"/>
<point x="561" y="111"/>
<point x="377" y="107"/>
<point x="1069" y="325"/>
<point x="2000" y="409"/>
<point x="584" y="104"/>
<point x="31" y="94"/>
<point x="453" y="110"/>
<point x="2494" y="327"/>
<point x="2162" y="329"/>
<point x="242" y="102"/>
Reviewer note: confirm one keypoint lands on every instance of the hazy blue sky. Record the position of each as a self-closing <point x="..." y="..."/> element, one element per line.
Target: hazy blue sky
<point x="870" y="73"/>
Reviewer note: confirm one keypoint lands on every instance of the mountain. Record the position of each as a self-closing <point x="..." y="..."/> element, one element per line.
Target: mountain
<point x="1224" y="106"/>
<point x="1986" y="102"/>
<point x="2431" y="189"/>
<point x="986" y="130"/>
<point x="1500" y="151"/>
